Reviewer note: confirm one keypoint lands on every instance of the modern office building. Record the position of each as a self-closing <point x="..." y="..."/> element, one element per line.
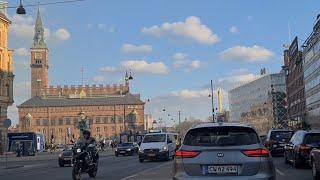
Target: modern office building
<point x="293" y="65"/>
<point x="311" y="66"/>
<point x="260" y="102"/>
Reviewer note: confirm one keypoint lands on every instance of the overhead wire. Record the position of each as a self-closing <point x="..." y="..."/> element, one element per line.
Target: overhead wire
<point x="48" y="3"/>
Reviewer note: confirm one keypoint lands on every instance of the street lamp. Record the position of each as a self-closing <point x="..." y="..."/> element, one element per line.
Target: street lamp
<point x="211" y="96"/>
<point x="130" y="77"/>
<point x="20" y="9"/>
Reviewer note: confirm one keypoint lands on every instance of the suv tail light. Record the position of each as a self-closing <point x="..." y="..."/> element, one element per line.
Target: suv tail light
<point x="304" y="148"/>
<point x="186" y="154"/>
<point x="256" y="152"/>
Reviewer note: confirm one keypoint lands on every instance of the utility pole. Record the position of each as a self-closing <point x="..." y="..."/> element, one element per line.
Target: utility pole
<point x="212" y="102"/>
<point x="179" y="116"/>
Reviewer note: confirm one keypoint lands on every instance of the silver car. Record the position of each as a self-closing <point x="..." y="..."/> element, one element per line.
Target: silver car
<point x="223" y="151"/>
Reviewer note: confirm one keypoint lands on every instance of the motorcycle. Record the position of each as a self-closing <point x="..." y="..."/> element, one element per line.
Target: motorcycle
<point x="85" y="160"/>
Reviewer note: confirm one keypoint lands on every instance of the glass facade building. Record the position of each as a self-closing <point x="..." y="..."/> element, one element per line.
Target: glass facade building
<point x="311" y="59"/>
<point x="255" y="93"/>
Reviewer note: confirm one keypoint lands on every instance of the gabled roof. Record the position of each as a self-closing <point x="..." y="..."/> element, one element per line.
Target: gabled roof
<point x="127" y="99"/>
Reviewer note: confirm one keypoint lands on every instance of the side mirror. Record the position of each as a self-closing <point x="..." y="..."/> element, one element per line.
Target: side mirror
<point x="169" y="141"/>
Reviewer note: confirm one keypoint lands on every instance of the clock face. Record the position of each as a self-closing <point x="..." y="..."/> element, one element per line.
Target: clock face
<point x="38" y="55"/>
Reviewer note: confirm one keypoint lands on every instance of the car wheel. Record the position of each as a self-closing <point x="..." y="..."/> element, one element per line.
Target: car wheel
<point x="296" y="163"/>
<point x="61" y="164"/>
<point x="168" y="156"/>
<point x="315" y="173"/>
<point x="286" y="161"/>
<point x="141" y="160"/>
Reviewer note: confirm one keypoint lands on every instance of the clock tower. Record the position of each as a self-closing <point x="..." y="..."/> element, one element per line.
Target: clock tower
<point x="39" y="60"/>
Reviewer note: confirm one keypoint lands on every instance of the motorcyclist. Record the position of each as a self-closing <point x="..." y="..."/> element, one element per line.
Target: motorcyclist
<point x="90" y="140"/>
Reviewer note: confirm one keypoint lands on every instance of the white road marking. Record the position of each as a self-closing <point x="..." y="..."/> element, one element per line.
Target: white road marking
<point x="279" y="172"/>
<point x="144" y="171"/>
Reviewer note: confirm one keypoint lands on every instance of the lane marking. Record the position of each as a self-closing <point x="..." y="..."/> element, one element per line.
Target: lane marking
<point x="279" y="172"/>
<point x="144" y="171"/>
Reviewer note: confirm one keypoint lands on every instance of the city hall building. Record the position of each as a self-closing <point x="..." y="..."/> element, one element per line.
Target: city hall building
<point x="55" y="111"/>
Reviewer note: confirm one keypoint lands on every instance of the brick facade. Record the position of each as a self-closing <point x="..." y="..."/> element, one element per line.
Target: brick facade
<point x="56" y="121"/>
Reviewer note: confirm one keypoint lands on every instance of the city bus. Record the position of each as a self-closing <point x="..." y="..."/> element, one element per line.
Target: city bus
<point x="27" y="143"/>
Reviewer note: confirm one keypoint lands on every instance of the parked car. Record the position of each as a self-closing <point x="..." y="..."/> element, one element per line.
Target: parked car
<point x="128" y="148"/>
<point x="157" y="146"/>
<point x="223" y="151"/>
<point x="277" y="139"/>
<point x="297" y="151"/>
<point x="315" y="162"/>
<point x="65" y="157"/>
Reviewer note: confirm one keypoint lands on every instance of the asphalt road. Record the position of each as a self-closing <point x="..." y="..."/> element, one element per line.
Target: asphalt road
<point x="110" y="167"/>
<point x="125" y="168"/>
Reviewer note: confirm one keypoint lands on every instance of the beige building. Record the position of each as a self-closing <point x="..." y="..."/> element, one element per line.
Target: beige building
<point x="6" y="74"/>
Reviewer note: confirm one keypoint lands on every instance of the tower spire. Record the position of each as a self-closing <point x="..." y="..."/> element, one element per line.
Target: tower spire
<point x="38" y="39"/>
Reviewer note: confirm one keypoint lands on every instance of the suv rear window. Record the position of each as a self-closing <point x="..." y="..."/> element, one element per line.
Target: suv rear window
<point x="221" y="136"/>
<point x="283" y="136"/>
<point x="312" y="138"/>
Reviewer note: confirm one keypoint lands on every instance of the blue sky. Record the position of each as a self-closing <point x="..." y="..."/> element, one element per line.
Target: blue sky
<point x="172" y="64"/>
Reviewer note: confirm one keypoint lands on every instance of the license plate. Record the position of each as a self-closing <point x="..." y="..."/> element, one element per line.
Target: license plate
<point x="151" y="155"/>
<point x="67" y="159"/>
<point x="122" y="152"/>
<point x="222" y="169"/>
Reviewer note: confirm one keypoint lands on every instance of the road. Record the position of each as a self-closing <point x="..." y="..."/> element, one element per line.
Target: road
<point x="125" y="168"/>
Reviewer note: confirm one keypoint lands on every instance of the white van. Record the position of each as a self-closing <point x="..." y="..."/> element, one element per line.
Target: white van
<point x="157" y="146"/>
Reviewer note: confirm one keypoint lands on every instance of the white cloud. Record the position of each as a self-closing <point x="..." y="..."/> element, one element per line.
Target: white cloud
<point x="142" y="66"/>
<point x="21" y="91"/>
<point x="23" y="28"/>
<point x="181" y="60"/>
<point x="196" y="64"/>
<point x="186" y="93"/>
<point x="99" y="78"/>
<point x="247" y="54"/>
<point x="21" y="52"/>
<point x="109" y="69"/>
<point x="62" y="34"/>
<point x="195" y="102"/>
<point x="136" y="49"/>
<point x="191" y="28"/>
<point x="102" y="26"/>
<point x="233" y="29"/>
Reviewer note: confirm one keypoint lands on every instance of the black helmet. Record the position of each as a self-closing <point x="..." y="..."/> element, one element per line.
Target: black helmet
<point x="86" y="132"/>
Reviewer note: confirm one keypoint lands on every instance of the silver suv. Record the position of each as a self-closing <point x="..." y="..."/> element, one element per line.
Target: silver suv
<point x="223" y="151"/>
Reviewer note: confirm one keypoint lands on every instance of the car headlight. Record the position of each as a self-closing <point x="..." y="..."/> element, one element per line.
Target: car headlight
<point x="78" y="150"/>
<point x="140" y="150"/>
<point x="128" y="149"/>
<point x="165" y="148"/>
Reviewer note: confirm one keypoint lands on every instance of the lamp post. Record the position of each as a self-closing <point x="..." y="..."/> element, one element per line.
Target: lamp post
<point x="82" y="123"/>
<point x="212" y="107"/>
